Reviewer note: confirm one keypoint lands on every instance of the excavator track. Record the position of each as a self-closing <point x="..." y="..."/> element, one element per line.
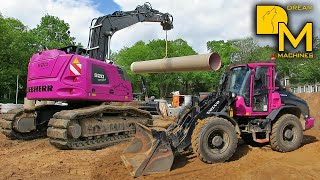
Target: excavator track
<point x="95" y="127"/>
<point x="7" y="125"/>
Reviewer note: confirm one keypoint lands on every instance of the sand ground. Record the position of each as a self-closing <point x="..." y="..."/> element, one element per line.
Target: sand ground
<point x="37" y="159"/>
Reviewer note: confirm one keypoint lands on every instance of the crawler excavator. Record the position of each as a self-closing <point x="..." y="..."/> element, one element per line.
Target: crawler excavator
<point x="250" y="103"/>
<point x="87" y="81"/>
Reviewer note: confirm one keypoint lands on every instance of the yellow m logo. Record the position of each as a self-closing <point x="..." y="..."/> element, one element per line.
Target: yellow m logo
<point x="274" y="20"/>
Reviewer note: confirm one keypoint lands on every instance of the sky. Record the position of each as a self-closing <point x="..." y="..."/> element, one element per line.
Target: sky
<point x="196" y="21"/>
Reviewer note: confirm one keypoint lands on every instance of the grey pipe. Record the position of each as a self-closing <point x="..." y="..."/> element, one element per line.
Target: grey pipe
<point x="204" y="62"/>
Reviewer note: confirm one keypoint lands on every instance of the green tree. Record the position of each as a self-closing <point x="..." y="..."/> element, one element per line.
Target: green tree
<point x="52" y="33"/>
<point x="15" y="51"/>
<point x="226" y="50"/>
<point x="18" y="43"/>
<point x="262" y="54"/>
<point x="159" y="85"/>
<point x="246" y="47"/>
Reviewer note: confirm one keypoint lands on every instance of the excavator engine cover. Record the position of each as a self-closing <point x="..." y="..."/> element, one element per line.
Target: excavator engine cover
<point x="149" y="151"/>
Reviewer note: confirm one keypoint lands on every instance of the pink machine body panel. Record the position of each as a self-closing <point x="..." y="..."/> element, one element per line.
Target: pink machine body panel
<point x="56" y="75"/>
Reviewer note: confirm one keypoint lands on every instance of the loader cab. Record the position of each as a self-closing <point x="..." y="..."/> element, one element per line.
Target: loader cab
<point x="254" y="85"/>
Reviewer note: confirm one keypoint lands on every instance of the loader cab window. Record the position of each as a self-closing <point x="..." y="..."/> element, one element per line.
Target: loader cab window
<point x="240" y="82"/>
<point x="260" y="89"/>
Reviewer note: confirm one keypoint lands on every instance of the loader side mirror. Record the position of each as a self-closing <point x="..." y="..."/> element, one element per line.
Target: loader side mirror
<point x="277" y="83"/>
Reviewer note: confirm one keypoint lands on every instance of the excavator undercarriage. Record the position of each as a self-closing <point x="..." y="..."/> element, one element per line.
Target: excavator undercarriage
<point x="95" y="127"/>
<point x="85" y="79"/>
<point x="92" y="127"/>
<point x="28" y="124"/>
<point x="9" y="119"/>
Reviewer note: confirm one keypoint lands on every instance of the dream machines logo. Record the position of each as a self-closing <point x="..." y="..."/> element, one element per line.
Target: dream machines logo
<point x="274" y="20"/>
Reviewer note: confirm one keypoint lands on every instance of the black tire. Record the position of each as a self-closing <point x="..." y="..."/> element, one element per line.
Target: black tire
<point x="286" y="134"/>
<point x="205" y="133"/>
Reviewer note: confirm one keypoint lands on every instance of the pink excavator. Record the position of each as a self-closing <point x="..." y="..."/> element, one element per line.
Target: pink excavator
<point x="88" y="81"/>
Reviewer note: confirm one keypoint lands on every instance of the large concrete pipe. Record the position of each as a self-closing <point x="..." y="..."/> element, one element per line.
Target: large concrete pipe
<point x="204" y="62"/>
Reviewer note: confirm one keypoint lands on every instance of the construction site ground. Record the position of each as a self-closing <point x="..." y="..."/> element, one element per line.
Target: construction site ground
<point x="37" y="159"/>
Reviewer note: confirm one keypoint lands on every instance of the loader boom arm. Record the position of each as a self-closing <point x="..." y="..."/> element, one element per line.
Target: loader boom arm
<point x="153" y="151"/>
<point x="180" y="132"/>
<point x="105" y="26"/>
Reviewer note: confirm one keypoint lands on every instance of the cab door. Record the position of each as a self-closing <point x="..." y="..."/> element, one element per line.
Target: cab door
<point x="261" y="91"/>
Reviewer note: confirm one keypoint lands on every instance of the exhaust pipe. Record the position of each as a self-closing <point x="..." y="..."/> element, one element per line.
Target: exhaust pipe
<point x="204" y="62"/>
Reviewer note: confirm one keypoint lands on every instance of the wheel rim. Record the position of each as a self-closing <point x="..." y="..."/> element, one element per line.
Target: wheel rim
<point x="218" y="141"/>
<point x="289" y="134"/>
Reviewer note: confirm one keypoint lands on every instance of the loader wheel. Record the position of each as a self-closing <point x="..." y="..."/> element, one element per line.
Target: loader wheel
<point x="214" y="140"/>
<point x="286" y="134"/>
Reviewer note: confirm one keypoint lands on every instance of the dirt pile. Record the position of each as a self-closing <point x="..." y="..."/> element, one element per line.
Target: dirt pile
<point x="313" y="100"/>
<point x="38" y="160"/>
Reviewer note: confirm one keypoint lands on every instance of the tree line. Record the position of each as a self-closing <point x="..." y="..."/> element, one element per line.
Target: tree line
<point x="18" y="42"/>
<point x="232" y="52"/>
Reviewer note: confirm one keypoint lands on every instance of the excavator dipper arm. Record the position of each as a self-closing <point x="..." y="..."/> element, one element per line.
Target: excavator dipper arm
<point x="104" y="27"/>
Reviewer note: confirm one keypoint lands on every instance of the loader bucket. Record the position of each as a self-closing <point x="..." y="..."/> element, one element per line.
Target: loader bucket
<point x="148" y="152"/>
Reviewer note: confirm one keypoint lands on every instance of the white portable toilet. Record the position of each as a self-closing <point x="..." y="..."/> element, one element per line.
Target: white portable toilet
<point x="187" y="99"/>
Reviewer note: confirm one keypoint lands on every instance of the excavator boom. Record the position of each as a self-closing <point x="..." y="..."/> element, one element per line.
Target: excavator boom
<point x="104" y="27"/>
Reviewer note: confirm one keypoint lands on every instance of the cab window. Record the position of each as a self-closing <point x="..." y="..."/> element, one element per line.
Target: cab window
<point x="260" y="89"/>
<point x="123" y="74"/>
